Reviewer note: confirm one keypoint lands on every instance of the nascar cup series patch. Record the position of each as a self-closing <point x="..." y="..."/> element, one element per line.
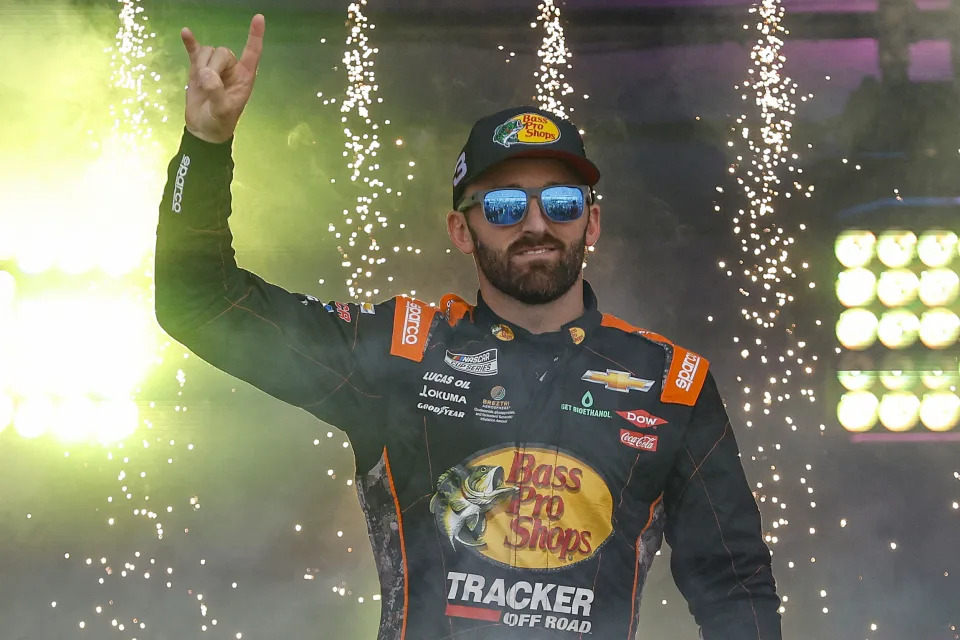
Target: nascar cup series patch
<point x="527" y="128"/>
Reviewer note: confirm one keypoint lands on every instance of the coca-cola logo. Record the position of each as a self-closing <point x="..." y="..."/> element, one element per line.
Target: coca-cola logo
<point x="641" y="441"/>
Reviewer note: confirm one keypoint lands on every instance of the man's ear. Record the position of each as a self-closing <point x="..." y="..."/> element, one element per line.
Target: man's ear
<point x="459" y="232"/>
<point x="593" y="224"/>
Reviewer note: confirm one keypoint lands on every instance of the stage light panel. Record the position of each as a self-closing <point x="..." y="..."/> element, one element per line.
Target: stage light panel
<point x="854" y="248"/>
<point x="939" y="287"/>
<point x="856" y="287"/>
<point x="898" y="329"/>
<point x="896" y="248"/>
<point x="857" y="411"/>
<point x="940" y="410"/>
<point x="899" y="411"/>
<point x="939" y="328"/>
<point x="897" y="287"/>
<point x="898" y="379"/>
<point x="937" y="248"/>
<point x="938" y="379"/>
<point x="857" y="328"/>
<point x="857" y="380"/>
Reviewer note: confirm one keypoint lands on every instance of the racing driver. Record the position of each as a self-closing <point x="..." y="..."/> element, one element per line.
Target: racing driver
<point x="518" y="460"/>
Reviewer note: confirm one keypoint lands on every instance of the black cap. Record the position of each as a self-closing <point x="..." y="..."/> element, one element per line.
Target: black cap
<point x="520" y="132"/>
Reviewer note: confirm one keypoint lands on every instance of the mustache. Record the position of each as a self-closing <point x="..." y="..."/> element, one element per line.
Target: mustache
<point x="529" y="242"/>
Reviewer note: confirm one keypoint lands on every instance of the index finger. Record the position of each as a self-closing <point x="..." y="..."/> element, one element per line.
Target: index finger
<point x="250" y="57"/>
<point x="189" y="42"/>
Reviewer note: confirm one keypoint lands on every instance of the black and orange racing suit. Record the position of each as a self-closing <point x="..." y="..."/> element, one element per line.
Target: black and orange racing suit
<point x="514" y="485"/>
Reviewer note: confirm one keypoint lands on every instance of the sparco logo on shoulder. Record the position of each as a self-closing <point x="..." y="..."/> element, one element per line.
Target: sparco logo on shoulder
<point x="411" y="323"/>
<point x="178" y="184"/>
<point x="688" y="371"/>
<point x="478" y="364"/>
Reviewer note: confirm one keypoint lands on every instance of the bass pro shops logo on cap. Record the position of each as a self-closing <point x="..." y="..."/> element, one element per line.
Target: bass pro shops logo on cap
<point x="527" y="128"/>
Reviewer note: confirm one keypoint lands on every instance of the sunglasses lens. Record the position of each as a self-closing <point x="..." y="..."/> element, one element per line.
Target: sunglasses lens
<point x="505" y="206"/>
<point x="562" y="204"/>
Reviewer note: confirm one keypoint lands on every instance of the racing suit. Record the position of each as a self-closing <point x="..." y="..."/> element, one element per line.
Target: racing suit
<point x="514" y="485"/>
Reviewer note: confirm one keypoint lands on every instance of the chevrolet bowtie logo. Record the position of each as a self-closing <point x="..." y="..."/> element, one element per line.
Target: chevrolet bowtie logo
<point x="617" y="381"/>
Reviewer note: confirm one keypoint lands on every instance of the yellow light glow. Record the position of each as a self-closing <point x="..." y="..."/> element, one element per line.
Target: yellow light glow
<point x="939" y="287"/>
<point x="857" y="411"/>
<point x="939" y="328"/>
<point x="72" y="345"/>
<point x="118" y="420"/>
<point x="856" y="287"/>
<point x="855" y="248"/>
<point x="940" y="411"/>
<point x="897" y="287"/>
<point x="898" y="379"/>
<point x="937" y="248"/>
<point x="896" y="248"/>
<point x="857" y="328"/>
<point x="76" y="419"/>
<point x="6" y="410"/>
<point x="898" y="329"/>
<point x="899" y="411"/>
<point x="34" y="416"/>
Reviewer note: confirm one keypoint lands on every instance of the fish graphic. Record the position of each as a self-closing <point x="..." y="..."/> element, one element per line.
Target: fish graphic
<point x="463" y="498"/>
<point x="506" y="133"/>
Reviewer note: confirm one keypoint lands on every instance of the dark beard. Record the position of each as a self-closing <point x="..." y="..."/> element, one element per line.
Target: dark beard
<point x="540" y="282"/>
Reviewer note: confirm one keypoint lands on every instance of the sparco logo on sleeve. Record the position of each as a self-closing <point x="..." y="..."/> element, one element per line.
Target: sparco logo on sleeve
<point x="411" y="323"/>
<point x="688" y="371"/>
<point x="479" y="364"/>
<point x="178" y="184"/>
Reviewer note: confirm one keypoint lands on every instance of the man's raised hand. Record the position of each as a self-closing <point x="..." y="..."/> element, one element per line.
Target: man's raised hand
<point x="220" y="85"/>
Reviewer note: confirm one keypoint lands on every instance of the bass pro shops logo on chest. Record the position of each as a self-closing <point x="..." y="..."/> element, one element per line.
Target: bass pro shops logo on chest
<point x="532" y="508"/>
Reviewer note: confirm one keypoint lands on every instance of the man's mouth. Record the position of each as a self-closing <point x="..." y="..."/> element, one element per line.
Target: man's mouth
<point x="534" y="251"/>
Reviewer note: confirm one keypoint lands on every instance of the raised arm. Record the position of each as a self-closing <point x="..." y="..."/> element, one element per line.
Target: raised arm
<point x="286" y="344"/>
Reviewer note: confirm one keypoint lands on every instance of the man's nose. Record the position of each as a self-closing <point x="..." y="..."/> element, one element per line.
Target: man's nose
<point x="535" y="221"/>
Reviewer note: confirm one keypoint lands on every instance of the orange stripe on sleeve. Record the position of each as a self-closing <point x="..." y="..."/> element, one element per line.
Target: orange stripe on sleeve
<point x="403" y="546"/>
<point x="411" y="327"/>
<point x="636" y="568"/>
<point x="688" y="372"/>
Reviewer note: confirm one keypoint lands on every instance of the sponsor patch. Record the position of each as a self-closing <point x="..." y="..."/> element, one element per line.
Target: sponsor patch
<point x="586" y="408"/>
<point x="577" y="334"/>
<point x="617" y="380"/>
<point x="343" y="310"/>
<point x="367" y="307"/>
<point x="179" y="182"/>
<point x="641" y="418"/>
<point x="478" y="597"/>
<point x="476" y="364"/>
<point x="534" y="509"/>
<point x="526" y="128"/>
<point x="502" y="332"/>
<point x="497" y="409"/>
<point x="641" y="441"/>
<point x="688" y="372"/>
<point x="411" y="327"/>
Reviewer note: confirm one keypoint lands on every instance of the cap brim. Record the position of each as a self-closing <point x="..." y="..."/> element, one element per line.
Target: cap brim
<point x="587" y="170"/>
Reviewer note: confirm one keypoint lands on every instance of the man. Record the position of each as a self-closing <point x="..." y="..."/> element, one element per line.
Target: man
<point x="518" y="460"/>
